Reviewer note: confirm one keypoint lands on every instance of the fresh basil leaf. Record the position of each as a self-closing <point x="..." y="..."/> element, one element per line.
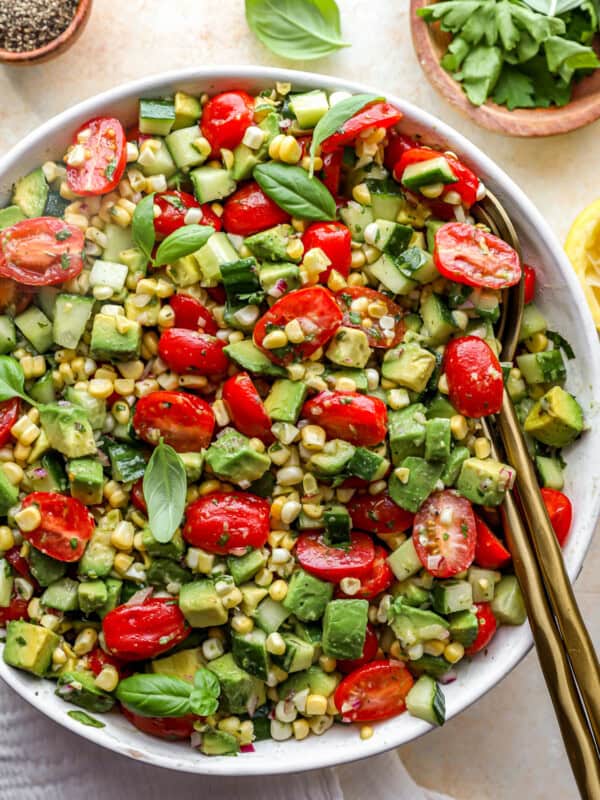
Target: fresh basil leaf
<point x="155" y="695"/>
<point x="142" y="225"/>
<point x="564" y="57"/>
<point x="165" y="486"/>
<point x="294" y="191"/>
<point x="204" y="699"/>
<point x="561" y="343"/>
<point x="514" y="89"/>
<point x="453" y="14"/>
<point x="182" y="242"/>
<point x="552" y="8"/>
<point x="85" y="719"/>
<point x="12" y="380"/>
<point x="333" y="121"/>
<point x="296" y="29"/>
<point x="480" y="72"/>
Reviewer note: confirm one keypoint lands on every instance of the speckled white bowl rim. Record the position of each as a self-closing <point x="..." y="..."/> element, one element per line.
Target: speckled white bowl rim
<point x="560" y="298"/>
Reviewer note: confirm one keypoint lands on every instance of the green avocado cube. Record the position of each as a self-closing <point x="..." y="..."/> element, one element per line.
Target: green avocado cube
<point x="62" y="595"/>
<point x="279" y="278"/>
<point x="115" y="338"/>
<point x="464" y="627"/>
<point x="411" y="492"/>
<point x="333" y="458"/>
<point x="344" y="628"/>
<point x="163" y="572"/>
<point x="29" y="647"/>
<point x="91" y="595"/>
<point x="404" y="561"/>
<point x="556" y="419"/>
<point x="173" y="549"/>
<point x="231" y="458"/>
<point x="247" y="355"/>
<point x="6" y="583"/>
<point x="407" y="430"/>
<point x="285" y="400"/>
<point x="307" y="597"/>
<point x="244" y="568"/>
<point x="349" y="348"/>
<point x="98" y="557"/>
<point x="187" y="110"/>
<point x="183" y="664"/>
<point x="201" y="605"/>
<point x="44" y="569"/>
<point x="368" y="465"/>
<point x="271" y="245"/>
<point x="508" y="604"/>
<point x="240" y="690"/>
<point x="113" y="596"/>
<point x="453" y="465"/>
<point x="438" y="439"/>
<point x="250" y="652"/>
<point x="484" y="481"/>
<point x="314" y="679"/>
<point x="298" y="656"/>
<point x="219" y="743"/>
<point x="80" y="689"/>
<point x="94" y="407"/>
<point x="9" y="494"/>
<point x="68" y="430"/>
<point x="415" y="625"/>
<point x="409" y="365"/>
<point x="86" y="478"/>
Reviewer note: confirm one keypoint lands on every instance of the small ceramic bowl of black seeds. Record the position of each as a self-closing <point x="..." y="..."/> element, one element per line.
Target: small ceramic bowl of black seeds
<point x="36" y="30"/>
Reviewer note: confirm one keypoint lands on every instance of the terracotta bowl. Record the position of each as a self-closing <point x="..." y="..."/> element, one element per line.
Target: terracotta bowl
<point x="53" y="48"/>
<point x="430" y="44"/>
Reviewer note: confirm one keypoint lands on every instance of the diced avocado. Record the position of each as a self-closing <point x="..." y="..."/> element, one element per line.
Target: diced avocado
<point x="219" y="743"/>
<point x="173" y="549"/>
<point x="414" y="625"/>
<point x="344" y="628"/>
<point x="404" y="561"/>
<point x="450" y="596"/>
<point x="484" y="482"/>
<point x="29" y="647"/>
<point x="515" y="386"/>
<point x="61" y="594"/>
<point x="183" y="664"/>
<point x="181" y="146"/>
<point x="545" y="367"/>
<point x="156" y="117"/>
<point x="550" y="472"/>
<point x="113" y="591"/>
<point x="412" y="594"/>
<point x="436" y="666"/>
<point x="464" y="627"/>
<point x="201" y="605"/>
<point x="230" y="457"/>
<point x="409" y="365"/>
<point x="251" y="597"/>
<point x="483" y="582"/>
<point x="250" y="652"/>
<point x="556" y="419"/>
<point x="91" y="596"/>
<point x="313" y="678"/>
<point x="72" y="312"/>
<point x="244" y="568"/>
<point x="44" y="569"/>
<point x="367" y="464"/>
<point x="115" y="338"/>
<point x="9" y="494"/>
<point x="218" y="250"/>
<point x="247" y="355"/>
<point x="98" y="558"/>
<point x="118" y="240"/>
<point x="80" y="689"/>
<point x="508" y="604"/>
<point x="193" y="464"/>
<point x="438" y="438"/>
<point x="163" y="572"/>
<point x="453" y="465"/>
<point x="30" y="193"/>
<point x="426" y="701"/>
<point x="533" y="322"/>
<point x="87" y="480"/>
<point x="36" y="327"/>
<point x="424" y="173"/>
<point x="332" y="459"/>
<point x="421" y="482"/>
<point x="285" y="400"/>
<point x="9" y="216"/>
<point x="6" y="583"/>
<point x="438" y="320"/>
<point x="308" y="108"/>
<point x="240" y="690"/>
<point x="68" y="430"/>
<point x="270" y="615"/>
<point x="211" y="184"/>
<point x="279" y="278"/>
<point x="387" y="271"/>
<point x="8" y="335"/>
<point x="43" y="390"/>
<point x="94" y="407"/>
<point x="245" y="158"/>
<point x="359" y="376"/>
<point x="271" y="245"/>
<point x="407" y="430"/>
<point x="307" y="597"/>
<point x="356" y="218"/>
<point x="299" y="654"/>
<point x="187" y="110"/>
<point x="349" y="348"/>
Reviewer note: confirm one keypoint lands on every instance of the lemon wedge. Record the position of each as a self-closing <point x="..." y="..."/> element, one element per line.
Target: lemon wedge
<point x="583" y="249"/>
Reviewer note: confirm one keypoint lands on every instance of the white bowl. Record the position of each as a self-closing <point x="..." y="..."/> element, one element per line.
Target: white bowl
<point x="560" y="298"/>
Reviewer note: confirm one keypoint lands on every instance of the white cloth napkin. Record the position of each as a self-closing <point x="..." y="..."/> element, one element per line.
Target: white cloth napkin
<point x="41" y="761"/>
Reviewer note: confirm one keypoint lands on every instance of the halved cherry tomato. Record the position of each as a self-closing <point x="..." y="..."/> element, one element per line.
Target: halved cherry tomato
<point x="466" y="184"/>
<point x="65" y="528"/>
<point x="19" y="564"/>
<point x="174" y="205"/>
<point x="223" y="522"/>
<point x="485" y="632"/>
<point x="374" y="692"/>
<point x="225" y="118"/>
<point x="41" y="252"/>
<point x="335" y="240"/>
<point x="317" y="313"/>
<point x="474" y="374"/>
<point x="186" y="351"/>
<point x="490" y="553"/>
<point x="529" y="274"/>
<point x="444" y="534"/>
<point x="358" y="418"/>
<point x="192" y="315"/>
<point x="332" y="170"/>
<point x="470" y="255"/>
<point x="560" y="511"/>
<point x="184" y="421"/>
<point x="105" y="147"/>
<point x="249" y="211"/>
<point x="378" y="514"/>
<point x="172" y="729"/>
<point x="368" y="654"/>
<point x="16" y="609"/>
<point x="334" y="563"/>
<point x="398" y="143"/>
<point x="9" y="414"/>
<point x="246" y="409"/>
<point x="378" y="579"/>
<point x="14" y="296"/>
<point x="377" y="115"/>
<point x="376" y="333"/>
<point x="137" y="496"/>
<point x="142" y="631"/>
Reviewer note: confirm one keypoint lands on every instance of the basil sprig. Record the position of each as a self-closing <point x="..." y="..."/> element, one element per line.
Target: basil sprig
<point x="165" y="487"/>
<point x="168" y="696"/>
<point x="552" y="8"/>
<point x="294" y="191"/>
<point x="296" y="29"/>
<point x="204" y="699"/>
<point x="182" y="242"/>
<point x="12" y="380"/>
<point x="85" y="719"/>
<point x="142" y="225"/>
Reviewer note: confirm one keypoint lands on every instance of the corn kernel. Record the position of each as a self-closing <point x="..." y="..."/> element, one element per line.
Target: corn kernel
<point x="278" y="591"/>
<point x="327" y="664"/>
<point x="7" y="539"/>
<point x="366" y="732"/>
<point x="274" y="146"/>
<point x="454" y="652"/>
<point x="458" y="426"/>
<point x="122" y="563"/>
<point x="434" y="647"/>
<point x="290" y="150"/>
<point x="107" y="679"/>
<point x="275" y="339"/>
<point x="122" y="536"/>
<point x="301" y="729"/>
<point x="482" y="447"/>
<point x="275" y="644"/>
<point x="29" y="518"/>
<point x="537" y="343"/>
<point x="361" y="194"/>
<point x="100" y="388"/>
<point x="242" y="624"/>
<point x="131" y="369"/>
<point x="85" y="641"/>
<point x="316" y="705"/>
<point x="294" y="332"/>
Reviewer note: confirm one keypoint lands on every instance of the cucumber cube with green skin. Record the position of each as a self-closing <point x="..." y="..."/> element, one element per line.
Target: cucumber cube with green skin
<point x="450" y="596"/>
<point x="387" y="272"/>
<point x="424" y="173"/>
<point x="545" y="367"/>
<point x="483" y="582"/>
<point x="356" y="218"/>
<point x="80" y="689"/>
<point x="156" y="117"/>
<point x="407" y="430"/>
<point x="533" y="322"/>
<point x="556" y="419"/>
<point x="285" y="400"/>
<point x="8" y="335"/>
<point x="44" y="569"/>
<point x="344" y="628"/>
<point x="244" y="568"/>
<point x="438" y="438"/>
<point x="163" y="572"/>
<point x="119" y="240"/>
<point x="201" y="605"/>
<point x="231" y="458"/>
<point x="432" y="226"/>
<point x="454" y="464"/>
<point x="423" y="477"/>
<point x="113" y="590"/>
<point x="333" y="459"/>
<point x="309" y="631"/>
<point x="86" y="478"/>
<point x="484" y="481"/>
<point x="387" y="199"/>
<point x="31" y="192"/>
<point x="62" y="595"/>
<point x="6" y="583"/>
<point x="426" y="701"/>
<point x="183" y="151"/>
<point x="71" y="315"/>
<point x="298" y="656"/>
<point x="439" y="322"/>
<point x="409" y="365"/>
<point x="307" y="597"/>
<point x="9" y="494"/>
<point x="250" y="652"/>
<point x="240" y="691"/>
<point x="247" y="355"/>
<point x="404" y="561"/>
<point x="508" y="604"/>
<point x="128" y="463"/>
<point x="550" y="472"/>
<point x="270" y="615"/>
<point x="464" y="627"/>
<point x="173" y="549"/>
<point x="245" y="158"/>
<point x="9" y="216"/>
<point x="36" y="328"/>
<point x="211" y="184"/>
<point x="219" y="743"/>
<point x="308" y="108"/>
<point x="337" y="525"/>
<point x="218" y="250"/>
<point x="416" y="596"/>
<point x="92" y="596"/>
<point x="436" y="666"/>
<point x="29" y="647"/>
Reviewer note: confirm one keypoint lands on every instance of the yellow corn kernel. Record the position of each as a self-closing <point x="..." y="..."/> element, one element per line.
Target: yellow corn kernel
<point x="371" y="253"/>
<point x="295" y="249"/>
<point x="122" y="563"/>
<point x="357" y="279"/>
<point x="21" y="453"/>
<point x="221" y="413"/>
<point x="107" y="679"/>
<point x="122" y="536"/>
<point x="242" y="624"/>
<point x="146" y="387"/>
<point x="202" y="145"/>
<point x="275" y="339"/>
<point x="131" y="369"/>
<point x="7" y="539"/>
<point x="458" y="426"/>
<point x="114" y="494"/>
<point x="207" y="487"/>
<point x="229" y="725"/>
<point x="85" y="641"/>
<point x="28" y="519"/>
<point x="274" y="146"/>
<point x="59" y="657"/>
<point x="453" y="652"/>
<point x="301" y="729"/>
<point x="263" y="578"/>
<point x="166" y="317"/>
<point x="192" y="381"/>
<point x="361" y="194"/>
<point x="227" y="158"/>
<point x="290" y="150"/>
<point x="366" y="732"/>
<point x="327" y="664"/>
<point x="482" y="447"/>
<point x="316" y="705"/>
<point x="317" y="165"/>
<point x="278" y="591"/>
<point x="313" y="437"/>
<point x="232" y="598"/>
<point x="13" y="472"/>
<point x="434" y="647"/>
<point x="294" y="332"/>
<point x="402" y="473"/>
<point x="396" y="650"/>
<point x="537" y="343"/>
<point x="443" y="384"/>
<point x="358" y="259"/>
<point x="336" y="281"/>
<point x="100" y="388"/>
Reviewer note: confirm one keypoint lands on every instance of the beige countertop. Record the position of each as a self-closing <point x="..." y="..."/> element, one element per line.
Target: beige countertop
<point x="507" y="746"/>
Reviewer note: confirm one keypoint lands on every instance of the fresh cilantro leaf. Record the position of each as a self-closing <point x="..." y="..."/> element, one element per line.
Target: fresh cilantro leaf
<point x="507" y="30"/>
<point x="481" y="70"/>
<point x="548" y="89"/>
<point x="514" y="89"/>
<point x="453" y="14"/>
<point x="458" y="50"/>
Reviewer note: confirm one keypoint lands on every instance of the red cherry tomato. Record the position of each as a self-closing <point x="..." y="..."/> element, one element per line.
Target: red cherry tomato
<point x="368" y="654"/>
<point x="65" y="528"/>
<point x="466" y="184"/>
<point x="358" y="418"/>
<point x="487" y="629"/>
<point x="184" y="421"/>
<point x="225" y="118"/>
<point x="98" y="659"/>
<point x="16" y="609"/>
<point x="146" y="630"/>
<point x="9" y="414"/>
<point x="249" y="211"/>
<point x="19" y="564"/>
<point x="332" y="170"/>
<point x="474" y="374"/>
<point x="470" y="255"/>
<point x="444" y="534"/>
<point x="246" y="409"/>
<point x="377" y="115"/>
<point x="529" y="274"/>
<point x="335" y="240"/>
<point x="192" y="315"/>
<point x="398" y="143"/>
<point x="379" y="578"/>
<point x="137" y="496"/>
<point x="335" y="563"/>
<point x="317" y="313"/>
<point x="375" y="332"/>
<point x="105" y="147"/>
<point x="490" y="553"/>
<point x="174" y="205"/>
<point x="378" y="514"/>
<point x="41" y="252"/>
<point x="14" y="296"/>
<point x="560" y="512"/>
<point x="172" y="729"/>
<point x="374" y="692"/>
<point x="221" y="523"/>
<point x="186" y="351"/>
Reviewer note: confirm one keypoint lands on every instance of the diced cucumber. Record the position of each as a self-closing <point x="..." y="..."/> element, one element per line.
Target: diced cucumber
<point x="217" y="250"/>
<point x="545" y="367"/>
<point x="43" y="389"/>
<point x="417" y="264"/>
<point x="438" y="320"/>
<point x="464" y="627"/>
<point x="270" y="615"/>
<point x="182" y="149"/>
<point x="391" y="237"/>
<point x="404" y="561"/>
<point x="250" y="652"/>
<point x="426" y="701"/>
<point x="386" y="271"/>
<point x="8" y="335"/>
<point x="72" y="312"/>
<point x="387" y="199"/>
<point x="424" y="173"/>
<point x="245" y="158"/>
<point x="508" y="604"/>
<point x="6" y="583"/>
<point x="9" y="216"/>
<point x="356" y="218"/>
<point x="46" y="300"/>
<point x="127" y="461"/>
<point x="550" y="471"/>
<point x="432" y="226"/>
<point x="337" y="524"/>
<point x="308" y="108"/>
<point x="55" y="205"/>
<point x="450" y="596"/>
<point x="30" y="193"/>
<point x="211" y="184"/>
<point x="36" y="327"/>
<point x="119" y="239"/>
<point x="187" y="110"/>
<point x="483" y="583"/>
<point x="157" y="161"/>
<point x="156" y="116"/>
<point x="108" y="273"/>
<point x="533" y="322"/>
<point x="62" y="595"/>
